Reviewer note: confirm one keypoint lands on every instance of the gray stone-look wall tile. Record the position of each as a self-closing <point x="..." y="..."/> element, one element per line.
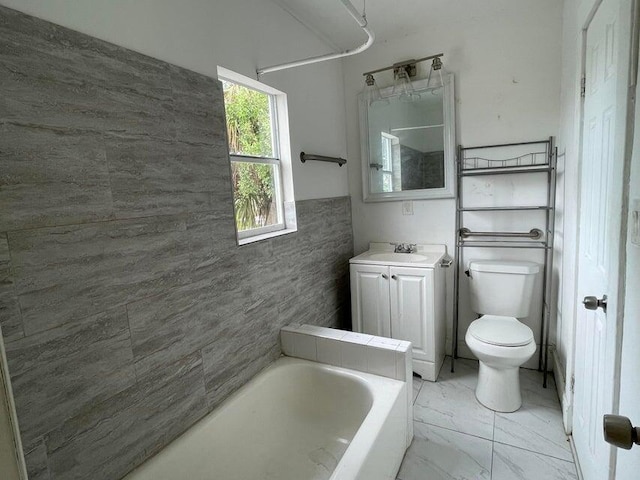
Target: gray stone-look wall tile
<point x="127" y="308"/>
<point x="59" y="78"/>
<point x="108" y="440"/>
<point x="56" y="373"/>
<point x="52" y="177"/>
<point x="167" y="327"/>
<point x="10" y="318"/>
<point x="37" y="462"/>
<point x="198" y="109"/>
<point x="64" y="273"/>
<point x="152" y="177"/>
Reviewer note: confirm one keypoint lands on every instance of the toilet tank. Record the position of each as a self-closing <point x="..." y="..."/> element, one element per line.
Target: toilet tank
<point x="502" y="287"/>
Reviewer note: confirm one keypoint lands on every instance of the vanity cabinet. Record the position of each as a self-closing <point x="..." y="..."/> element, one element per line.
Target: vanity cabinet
<point x="406" y="303"/>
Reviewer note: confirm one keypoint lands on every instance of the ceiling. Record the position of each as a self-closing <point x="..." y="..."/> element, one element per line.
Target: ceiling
<point x="389" y="19"/>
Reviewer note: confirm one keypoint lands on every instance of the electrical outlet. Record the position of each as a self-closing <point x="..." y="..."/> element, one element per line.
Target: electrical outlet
<point x="407" y="208"/>
<point x="635" y="221"/>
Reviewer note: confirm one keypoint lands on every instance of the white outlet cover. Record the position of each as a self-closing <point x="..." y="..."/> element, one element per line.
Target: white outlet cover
<point x="407" y="207"/>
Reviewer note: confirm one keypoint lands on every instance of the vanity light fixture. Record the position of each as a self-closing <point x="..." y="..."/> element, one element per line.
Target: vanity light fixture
<point x="373" y="92"/>
<point x="402" y="73"/>
<point x="436" y="66"/>
<point x="403" y="87"/>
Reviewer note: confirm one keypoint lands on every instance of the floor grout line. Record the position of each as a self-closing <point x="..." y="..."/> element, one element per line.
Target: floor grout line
<point x="452" y="430"/>
<point x="534" y="451"/>
<point x="536" y="402"/>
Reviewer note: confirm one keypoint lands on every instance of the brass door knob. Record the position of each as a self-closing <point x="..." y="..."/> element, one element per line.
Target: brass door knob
<point x="618" y="431"/>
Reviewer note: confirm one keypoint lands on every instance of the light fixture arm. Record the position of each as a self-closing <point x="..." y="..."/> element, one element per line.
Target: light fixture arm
<point x="362" y="21"/>
<point x="409" y="65"/>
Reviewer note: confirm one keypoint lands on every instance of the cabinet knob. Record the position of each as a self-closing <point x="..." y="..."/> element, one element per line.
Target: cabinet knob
<point x="384" y="275"/>
<point x="394" y="277"/>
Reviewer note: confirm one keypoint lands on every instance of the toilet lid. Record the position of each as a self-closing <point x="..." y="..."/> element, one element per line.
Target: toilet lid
<point x="503" y="331"/>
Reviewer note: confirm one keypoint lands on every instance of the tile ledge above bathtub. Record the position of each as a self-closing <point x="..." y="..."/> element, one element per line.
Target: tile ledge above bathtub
<point x="383" y="356"/>
<point x="386" y="357"/>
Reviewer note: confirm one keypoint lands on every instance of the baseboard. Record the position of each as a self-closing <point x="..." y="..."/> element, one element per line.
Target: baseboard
<point x="566" y="401"/>
<point x="575" y="459"/>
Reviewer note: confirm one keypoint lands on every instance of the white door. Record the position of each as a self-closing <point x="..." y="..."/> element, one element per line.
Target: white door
<point x="370" y="299"/>
<point x="603" y="145"/>
<point x="412" y="309"/>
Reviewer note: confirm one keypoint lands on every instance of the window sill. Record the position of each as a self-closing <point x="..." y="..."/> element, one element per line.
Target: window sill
<point x="265" y="236"/>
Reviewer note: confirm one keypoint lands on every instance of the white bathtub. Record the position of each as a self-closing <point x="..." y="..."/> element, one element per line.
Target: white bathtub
<point x="297" y="420"/>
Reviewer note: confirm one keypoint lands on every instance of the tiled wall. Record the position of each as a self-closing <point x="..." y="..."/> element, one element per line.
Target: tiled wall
<point x="127" y="310"/>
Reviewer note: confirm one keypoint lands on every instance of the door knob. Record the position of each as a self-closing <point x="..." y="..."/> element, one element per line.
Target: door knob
<point x="593" y="303"/>
<point x="618" y="431"/>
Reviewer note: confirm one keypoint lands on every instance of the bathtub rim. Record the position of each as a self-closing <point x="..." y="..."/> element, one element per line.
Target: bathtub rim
<point x="387" y="393"/>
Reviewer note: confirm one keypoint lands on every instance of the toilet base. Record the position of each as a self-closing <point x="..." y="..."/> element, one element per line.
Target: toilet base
<point x="499" y="388"/>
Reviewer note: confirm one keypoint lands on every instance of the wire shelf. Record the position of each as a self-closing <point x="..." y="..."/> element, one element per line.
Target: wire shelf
<point x="507" y="157"/>
<point x="510" y="158"/>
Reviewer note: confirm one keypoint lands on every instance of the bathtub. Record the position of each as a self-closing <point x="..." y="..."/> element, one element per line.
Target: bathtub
<point x="297" y="420"/>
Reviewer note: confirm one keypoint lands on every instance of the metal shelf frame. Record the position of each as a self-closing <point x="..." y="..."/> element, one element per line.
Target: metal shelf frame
<point x="546" y="244"/>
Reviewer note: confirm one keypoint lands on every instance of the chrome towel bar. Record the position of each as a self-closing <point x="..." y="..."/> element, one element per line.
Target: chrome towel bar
<point x="534" y="234"/>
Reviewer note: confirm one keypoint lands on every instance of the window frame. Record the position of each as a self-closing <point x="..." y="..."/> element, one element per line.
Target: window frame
<point x="283" y="179"/>
<point x="388" y="141"/>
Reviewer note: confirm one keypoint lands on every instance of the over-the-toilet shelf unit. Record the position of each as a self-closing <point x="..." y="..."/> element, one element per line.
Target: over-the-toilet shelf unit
<point x="533" y="157"/>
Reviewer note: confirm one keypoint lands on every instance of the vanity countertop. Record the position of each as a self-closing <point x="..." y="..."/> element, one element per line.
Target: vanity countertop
<point x="426" y="256"/>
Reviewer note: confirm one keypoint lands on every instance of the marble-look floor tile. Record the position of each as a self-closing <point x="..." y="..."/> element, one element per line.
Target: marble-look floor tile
<point x="534" y="393"/>
<point x="451" y="403"/>
<point x="538" y="428"/>
<point x="511" y="463"/>
<point x="440" y="454"/>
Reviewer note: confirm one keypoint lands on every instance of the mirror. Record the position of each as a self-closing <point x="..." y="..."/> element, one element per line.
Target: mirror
<point x="408" y="146"/>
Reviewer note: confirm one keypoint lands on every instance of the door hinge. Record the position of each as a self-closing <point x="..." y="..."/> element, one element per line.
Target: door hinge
<point x="572" y="385"/>
<point x="583" y="86"/>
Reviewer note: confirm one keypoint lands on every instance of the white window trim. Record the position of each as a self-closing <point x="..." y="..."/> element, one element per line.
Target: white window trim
<point x="282" y="150"/>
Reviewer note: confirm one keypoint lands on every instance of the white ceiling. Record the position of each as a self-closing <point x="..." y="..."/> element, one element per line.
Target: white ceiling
<point x="389" y="19"/>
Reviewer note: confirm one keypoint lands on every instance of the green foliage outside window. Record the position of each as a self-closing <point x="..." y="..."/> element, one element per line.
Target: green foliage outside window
<point x="249" y="132"/>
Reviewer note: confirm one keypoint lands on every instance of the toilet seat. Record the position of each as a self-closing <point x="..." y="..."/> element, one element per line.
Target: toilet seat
<point x="501" y="331"/>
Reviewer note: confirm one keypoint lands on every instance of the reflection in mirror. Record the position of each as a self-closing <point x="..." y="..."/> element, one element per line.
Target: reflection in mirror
<point x="409" y="144"/>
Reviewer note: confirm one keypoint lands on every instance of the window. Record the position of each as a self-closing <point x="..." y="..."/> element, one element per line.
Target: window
<point x="257" y="131"/>
<point x="390" y="152"/>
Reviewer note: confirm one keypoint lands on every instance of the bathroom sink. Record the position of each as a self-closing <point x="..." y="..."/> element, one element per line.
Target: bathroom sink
<point x="397" y="257"/>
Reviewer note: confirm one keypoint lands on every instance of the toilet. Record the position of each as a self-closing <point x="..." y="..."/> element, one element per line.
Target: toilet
<point x="501" y="293"/>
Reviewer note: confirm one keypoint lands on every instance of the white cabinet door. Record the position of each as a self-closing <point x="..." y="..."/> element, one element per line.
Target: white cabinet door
<point x="370" y="299"/>
<point x="412" y="315"/>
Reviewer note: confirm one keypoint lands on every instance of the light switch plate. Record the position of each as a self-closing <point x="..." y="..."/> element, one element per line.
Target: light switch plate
<point x="407" y="207"/>
<point x="635" y="221"/>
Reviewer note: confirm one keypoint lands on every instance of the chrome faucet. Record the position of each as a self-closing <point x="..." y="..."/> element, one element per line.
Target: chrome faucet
<point x="405" y="247"/>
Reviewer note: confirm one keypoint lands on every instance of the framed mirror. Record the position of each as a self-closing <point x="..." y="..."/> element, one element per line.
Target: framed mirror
<point x="408" y="144"/>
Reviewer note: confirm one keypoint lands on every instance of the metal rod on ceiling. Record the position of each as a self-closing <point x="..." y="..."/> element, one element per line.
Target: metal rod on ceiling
<point x="362" y="21"/>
